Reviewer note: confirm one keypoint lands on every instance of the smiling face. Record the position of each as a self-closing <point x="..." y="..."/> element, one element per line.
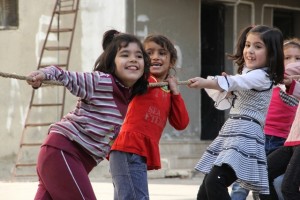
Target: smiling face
<point x="160" y="60"/>
<point x="129" y="64"/>
<point x="255" y="52"/>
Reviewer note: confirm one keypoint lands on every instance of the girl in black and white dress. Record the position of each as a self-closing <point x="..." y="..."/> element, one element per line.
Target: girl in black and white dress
<point x="238" y="154"/>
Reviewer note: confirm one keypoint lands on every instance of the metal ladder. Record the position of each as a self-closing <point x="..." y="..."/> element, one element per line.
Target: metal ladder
<point x="47" y="103"/>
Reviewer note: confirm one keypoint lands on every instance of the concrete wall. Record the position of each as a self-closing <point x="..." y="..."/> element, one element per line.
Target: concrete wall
<point x="20" y="50"/>
<point x="180" y="21"/>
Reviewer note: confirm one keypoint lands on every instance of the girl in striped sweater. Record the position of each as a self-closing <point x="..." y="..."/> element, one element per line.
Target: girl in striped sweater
<point x="82" y="138"/>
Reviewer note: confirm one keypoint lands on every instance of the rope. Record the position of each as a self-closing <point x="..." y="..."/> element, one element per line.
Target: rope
<point x="15" y="76"/>
<point x="160" y="84"/>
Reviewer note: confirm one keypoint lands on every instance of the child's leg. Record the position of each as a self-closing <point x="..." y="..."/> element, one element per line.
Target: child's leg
<point x="238" y="193"/>
<point x="278" y="161"/>
<point x="202" y="190"/>
<point x="129" y="174"/>
<point x="42" y="193"/>
<point x="62" y="176"/>
<point x="217" y="182"/>
<point x="291" y="180"/>
<point x="277" y="185"/>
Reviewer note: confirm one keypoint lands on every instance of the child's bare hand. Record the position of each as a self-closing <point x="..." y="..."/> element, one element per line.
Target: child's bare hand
<point x="35" y="79"/>
<point x="287" y="80"/>
<point x="173" y="84"/>
<point x="224" y="74"/>
<point x="195" y="82"/>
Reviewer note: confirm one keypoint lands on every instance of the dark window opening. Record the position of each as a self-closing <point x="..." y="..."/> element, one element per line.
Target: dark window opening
<point x="284" y="20"/>
<point x="9" y="14"/>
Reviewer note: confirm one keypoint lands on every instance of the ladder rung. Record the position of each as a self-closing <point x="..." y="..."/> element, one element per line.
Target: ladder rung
<point x="31" y="144"/>
<point x="64" y="12"/>
<point x="59" y="65"/>
<point x="25" y="175"/>
<point x="61" y="30"/>
<point x="47" y="104"/>
<point x="38" y="124"/>
<point x="66" y="6"/>
<point x="57" y="48"/>
<point x="25" y="164"/>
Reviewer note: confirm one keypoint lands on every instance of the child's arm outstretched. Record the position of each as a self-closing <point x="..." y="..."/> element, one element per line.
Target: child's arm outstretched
<point x="199" y="82"/>
<point x="80" y="84"/>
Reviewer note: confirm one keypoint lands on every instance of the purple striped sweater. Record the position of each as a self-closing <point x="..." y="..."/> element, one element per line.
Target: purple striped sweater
<point x="99" y="113"/>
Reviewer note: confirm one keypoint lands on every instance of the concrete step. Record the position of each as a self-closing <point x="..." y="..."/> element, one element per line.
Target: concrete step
<point x="182" y="154"/>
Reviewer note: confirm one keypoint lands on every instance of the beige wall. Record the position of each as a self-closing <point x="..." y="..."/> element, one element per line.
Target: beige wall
<point x="20" y="49"/>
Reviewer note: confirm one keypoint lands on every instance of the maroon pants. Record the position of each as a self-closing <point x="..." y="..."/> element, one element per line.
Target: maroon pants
<point x="64" y="174"/>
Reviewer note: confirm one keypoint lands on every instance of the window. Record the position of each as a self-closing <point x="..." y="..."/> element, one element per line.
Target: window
<point x="9" y="14"/>
<point x="284" y="20"/>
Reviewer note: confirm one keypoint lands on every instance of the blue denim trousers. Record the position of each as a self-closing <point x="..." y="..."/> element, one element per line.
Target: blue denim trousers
<point x="129" y="175"/>
<point x="238" y="193"/>
<point x="277" y="185"/>
<point x="272" y="143"/>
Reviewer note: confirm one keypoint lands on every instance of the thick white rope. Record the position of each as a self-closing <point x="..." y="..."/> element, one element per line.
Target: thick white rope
<point x="15" y="76"/>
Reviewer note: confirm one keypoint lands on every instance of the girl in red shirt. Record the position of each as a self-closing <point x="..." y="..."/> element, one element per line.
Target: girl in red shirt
<point x="136" y="149"/>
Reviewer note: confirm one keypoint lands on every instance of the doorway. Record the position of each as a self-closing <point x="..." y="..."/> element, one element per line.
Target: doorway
<point x="212" y="56"/>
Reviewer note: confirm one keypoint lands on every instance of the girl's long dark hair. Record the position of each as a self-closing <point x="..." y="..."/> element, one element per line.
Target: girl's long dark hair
<point x="112" y="42"/>
<point x="273" y="40"/>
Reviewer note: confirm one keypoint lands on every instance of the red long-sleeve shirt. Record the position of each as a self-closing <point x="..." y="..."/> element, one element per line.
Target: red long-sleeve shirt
<point x="145" y="120"/>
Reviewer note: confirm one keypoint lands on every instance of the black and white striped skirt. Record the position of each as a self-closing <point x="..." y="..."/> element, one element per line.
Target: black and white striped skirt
<point x="240" y="144"/>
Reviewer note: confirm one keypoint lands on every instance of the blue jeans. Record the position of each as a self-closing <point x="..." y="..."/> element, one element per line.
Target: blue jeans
<point x="129" y="176"/>
<point x="272" y="143"/>
<point x="238" y="193"/>
<point x="277" y="185"/>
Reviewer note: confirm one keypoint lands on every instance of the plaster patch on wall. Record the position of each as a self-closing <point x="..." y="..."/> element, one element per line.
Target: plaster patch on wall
<point x="179" y="55"/>
<point x="40" y="37"/>
<point x="143" y="19"/>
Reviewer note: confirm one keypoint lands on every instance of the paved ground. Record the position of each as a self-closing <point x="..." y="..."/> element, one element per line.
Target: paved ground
<point x="160" y="189"/>
<point x="103" y="190"/>
<point x="175" y="188"/>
